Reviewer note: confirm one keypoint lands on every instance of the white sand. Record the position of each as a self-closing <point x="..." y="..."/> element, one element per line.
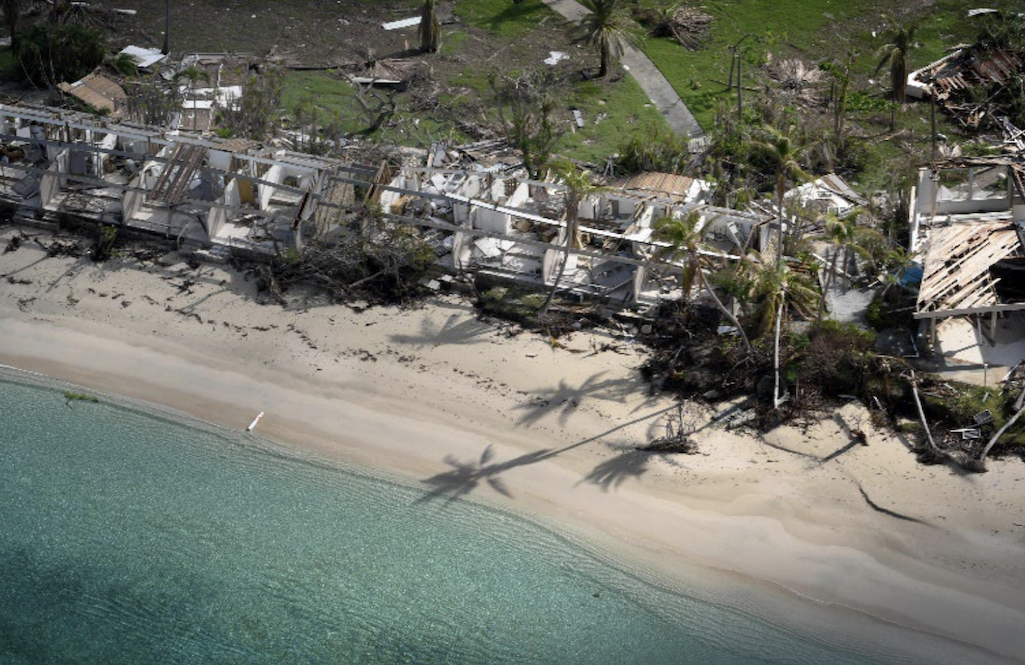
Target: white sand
<point x="424" y="392"/>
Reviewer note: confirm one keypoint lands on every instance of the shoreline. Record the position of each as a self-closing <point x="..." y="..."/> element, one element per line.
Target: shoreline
<point x="729" y="589"/>
<point x="412" y="389"/>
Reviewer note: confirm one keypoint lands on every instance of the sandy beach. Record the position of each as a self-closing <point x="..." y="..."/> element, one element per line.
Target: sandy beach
<point x="477" y="409"/>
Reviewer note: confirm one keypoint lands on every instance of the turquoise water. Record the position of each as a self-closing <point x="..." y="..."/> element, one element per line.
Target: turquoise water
<point x="132" y="536"/>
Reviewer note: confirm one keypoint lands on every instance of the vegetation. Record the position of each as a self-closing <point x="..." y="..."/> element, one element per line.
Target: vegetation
<point x="578" y="185"/>
<point x="656" y="148"/>
<point x="12" y="17"/>
<point x="53" y="53"/>
<point x="106" y="239"/>
<point x="368" y="259"/>
<point x="526" y="107"/>
<point x="895" y="56"/>
<point x="79" y="397"/>
<point x="430" y="27"/>
<point x="685" y="246"/>
<point x="608" y="29"/>
<point x="193" y="76"/>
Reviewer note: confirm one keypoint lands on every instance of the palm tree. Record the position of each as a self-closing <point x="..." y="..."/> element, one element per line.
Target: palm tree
<point x="779" y="290"/>
<point x="684" y="236"/>
<point x="430" y="27"/>
<point x="784" y="155"/>
<point x="12" y="15"/>
<point x="193" y="75"/>
<point x="607" y="28"/>
<point x="166" y="49"/>
<point x="846" y="239"/>
<point x="894" y="54"/>
<point x="578" y="185"/>
<point x="895" y="266"/>
<point x="772" y="281"/>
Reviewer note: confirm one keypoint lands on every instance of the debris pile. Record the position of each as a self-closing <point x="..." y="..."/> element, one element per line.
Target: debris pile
<point x="689" y="26"/>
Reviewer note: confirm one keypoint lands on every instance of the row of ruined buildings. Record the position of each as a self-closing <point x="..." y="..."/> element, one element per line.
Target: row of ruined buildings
<point x="216" y="196"/>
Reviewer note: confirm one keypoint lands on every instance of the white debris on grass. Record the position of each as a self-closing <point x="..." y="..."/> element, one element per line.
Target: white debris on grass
<point x="404" y="23"/>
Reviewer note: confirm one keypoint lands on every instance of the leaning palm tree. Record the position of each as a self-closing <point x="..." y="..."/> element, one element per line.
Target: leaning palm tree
<point x="685" y="238"/>
<point x="607" y="28"/>
<point x="894" y="54"/>
<point x="784" y="155"/>
<point x="578" y="185"/>
<point x="193" y="75"/>
<point x="430" y="27"/>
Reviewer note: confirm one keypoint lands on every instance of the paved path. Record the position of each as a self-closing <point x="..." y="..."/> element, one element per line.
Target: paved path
<point x="647" y="75"/>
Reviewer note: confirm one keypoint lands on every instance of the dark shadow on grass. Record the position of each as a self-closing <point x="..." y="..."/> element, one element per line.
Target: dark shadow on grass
<point x="516" y="12"/>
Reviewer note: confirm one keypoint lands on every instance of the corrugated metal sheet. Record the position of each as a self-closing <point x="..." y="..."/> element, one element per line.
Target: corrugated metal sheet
<point x="99" y="92"/>
<point x="670" y="185"/>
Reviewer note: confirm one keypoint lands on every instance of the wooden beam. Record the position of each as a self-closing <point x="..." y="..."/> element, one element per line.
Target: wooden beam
<point x="944" y="313"/>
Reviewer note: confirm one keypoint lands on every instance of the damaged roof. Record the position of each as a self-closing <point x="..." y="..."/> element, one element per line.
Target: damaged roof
<point x="99" y="92"/>
<point x="951" y="79"/>
<point x="970" y="67"/>
<point x="957" y="264"/>
<point x="667" y="185"/>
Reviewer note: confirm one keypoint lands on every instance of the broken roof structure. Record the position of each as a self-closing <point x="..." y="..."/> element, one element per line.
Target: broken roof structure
<point x="828" y="193"/>
<point x="98" y="92"/>
<point x="218" y="196"/>
<point x="669" y="186"/>
<point x="968" y="228"/>
<point x="953" y="78"/>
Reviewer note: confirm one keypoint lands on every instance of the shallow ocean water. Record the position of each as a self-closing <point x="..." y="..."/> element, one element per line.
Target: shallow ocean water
<point x="132" y="535"/>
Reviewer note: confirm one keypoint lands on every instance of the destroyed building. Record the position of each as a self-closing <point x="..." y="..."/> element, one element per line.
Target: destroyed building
<point x="215" y="196"/>
<point x="968" y="232"/>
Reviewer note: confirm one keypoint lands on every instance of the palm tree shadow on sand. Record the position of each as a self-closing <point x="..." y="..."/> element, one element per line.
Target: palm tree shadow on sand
<point x="611" y="473"/>
<point x="564" y="399"/>
<point x="464" y="477"/>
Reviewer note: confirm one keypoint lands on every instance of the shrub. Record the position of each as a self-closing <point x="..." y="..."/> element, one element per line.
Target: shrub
<point x="657" y="148"/>
<point x="51" y="53"/>
<point x="838" y="358"/>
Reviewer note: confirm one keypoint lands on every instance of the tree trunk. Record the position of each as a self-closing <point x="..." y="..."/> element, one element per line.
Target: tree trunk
<point x="921" y="412"/>
<point x="167" y="28"/>
<point x="1000" y="432"/>
<point x="603" y="68"/>
<point x="558" y="277"/>
<point x="828" y="284"/>
<point x="776" y="399"/>
<point x="729" y="315"/>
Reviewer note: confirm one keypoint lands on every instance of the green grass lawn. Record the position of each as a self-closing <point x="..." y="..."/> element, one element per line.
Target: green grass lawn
<point x="612" y="112"/>
<point x="812" y="29"/>
<point x="612" y="109"/>
<point x="326" y="92"/>
<point x="504" y="18"/>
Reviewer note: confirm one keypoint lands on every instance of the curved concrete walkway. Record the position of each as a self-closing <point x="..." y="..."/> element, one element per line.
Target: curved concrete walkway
<point x="647" y="75"/>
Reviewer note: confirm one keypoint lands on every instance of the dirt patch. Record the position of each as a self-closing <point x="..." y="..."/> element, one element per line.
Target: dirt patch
<point x="313" y="33"/>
